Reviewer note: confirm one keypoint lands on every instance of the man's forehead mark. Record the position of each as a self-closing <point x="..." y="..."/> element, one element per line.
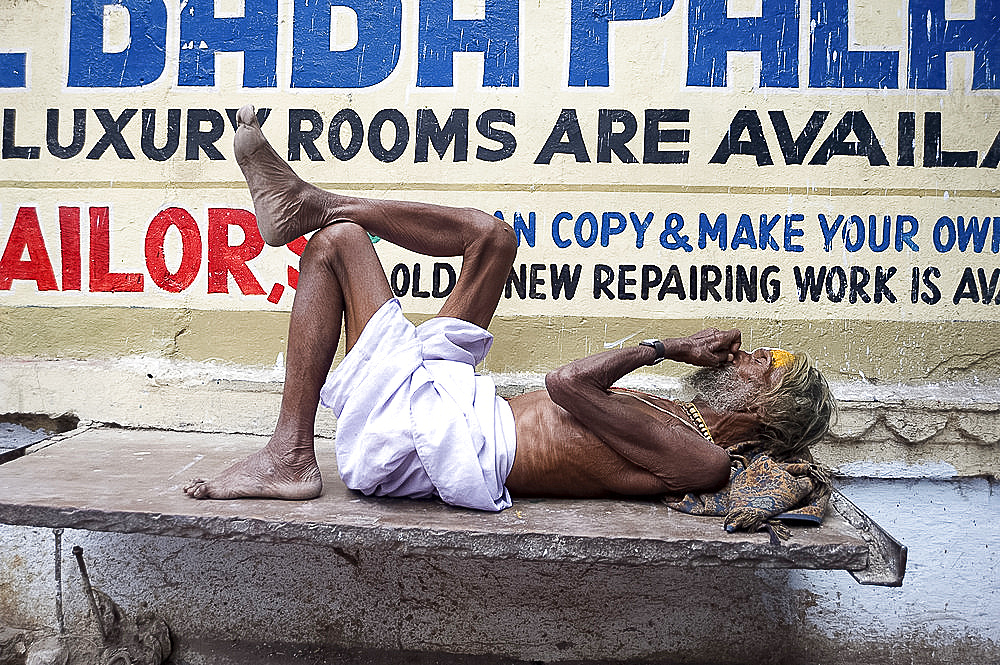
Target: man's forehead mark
<point x="781" y="358"/>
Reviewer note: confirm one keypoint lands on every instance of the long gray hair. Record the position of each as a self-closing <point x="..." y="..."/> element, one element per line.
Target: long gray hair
<point x="799" y="410"/>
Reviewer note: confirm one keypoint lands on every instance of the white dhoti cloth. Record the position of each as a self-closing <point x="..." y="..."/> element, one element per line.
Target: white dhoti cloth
<point x="413" y="417"/>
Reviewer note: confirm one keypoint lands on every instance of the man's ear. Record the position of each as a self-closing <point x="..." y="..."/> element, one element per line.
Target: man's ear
<point x="757" y="407"/>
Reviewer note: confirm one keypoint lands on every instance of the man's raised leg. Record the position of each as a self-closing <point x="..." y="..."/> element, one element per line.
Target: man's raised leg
<point x="340" y="280"/>
<point x="288" y="207"/>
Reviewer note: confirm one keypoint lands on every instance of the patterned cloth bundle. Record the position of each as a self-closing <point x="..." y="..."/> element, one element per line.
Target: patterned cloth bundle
<point x="764" y="493"/>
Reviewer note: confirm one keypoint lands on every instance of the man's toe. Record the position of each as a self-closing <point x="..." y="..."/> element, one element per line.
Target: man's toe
<point x="197" y="489"/>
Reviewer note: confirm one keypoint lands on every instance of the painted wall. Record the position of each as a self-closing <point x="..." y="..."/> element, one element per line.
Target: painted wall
<point x="822" y="173"/>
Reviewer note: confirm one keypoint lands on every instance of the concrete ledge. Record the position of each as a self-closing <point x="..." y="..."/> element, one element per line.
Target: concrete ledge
<point x="129" y="481"/>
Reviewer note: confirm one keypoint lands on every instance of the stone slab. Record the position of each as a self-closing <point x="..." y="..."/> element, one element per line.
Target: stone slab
<point x="130" y="480"/>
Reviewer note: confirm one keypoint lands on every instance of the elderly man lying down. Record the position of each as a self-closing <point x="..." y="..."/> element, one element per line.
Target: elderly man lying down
<point x="414" y="419"/>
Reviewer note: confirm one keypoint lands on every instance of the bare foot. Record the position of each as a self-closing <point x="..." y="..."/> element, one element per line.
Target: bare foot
<point x="285" y="205"/>
<point x="265" y="474"/>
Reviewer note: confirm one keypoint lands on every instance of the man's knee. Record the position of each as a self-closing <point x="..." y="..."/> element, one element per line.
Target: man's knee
<point x="334" y="242"/>
<point x="495" y="238"/>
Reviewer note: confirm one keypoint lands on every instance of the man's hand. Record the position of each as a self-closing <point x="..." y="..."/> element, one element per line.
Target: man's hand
<point x="708" y="348"/>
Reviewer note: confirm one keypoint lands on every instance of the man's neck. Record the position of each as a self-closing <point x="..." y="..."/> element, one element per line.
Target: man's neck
<point x="729" y="427"/>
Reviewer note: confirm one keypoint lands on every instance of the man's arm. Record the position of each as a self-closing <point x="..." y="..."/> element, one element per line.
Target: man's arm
<point x="663" y="445"/>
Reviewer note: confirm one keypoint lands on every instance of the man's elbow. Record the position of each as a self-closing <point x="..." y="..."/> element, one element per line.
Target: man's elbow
<point x="709" y="472"/>
<point x="559" y="383"/>
<point x="717" y="470"/>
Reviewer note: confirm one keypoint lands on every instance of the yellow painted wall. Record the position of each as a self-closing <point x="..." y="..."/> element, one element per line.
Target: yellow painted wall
<point x="868" y="158"/>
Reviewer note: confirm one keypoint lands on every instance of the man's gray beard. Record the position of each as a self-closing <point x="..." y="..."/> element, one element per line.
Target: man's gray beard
<point x="721" y="388"/>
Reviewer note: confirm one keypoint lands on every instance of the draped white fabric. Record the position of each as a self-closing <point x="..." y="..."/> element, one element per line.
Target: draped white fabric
<point x="413" y="417"/>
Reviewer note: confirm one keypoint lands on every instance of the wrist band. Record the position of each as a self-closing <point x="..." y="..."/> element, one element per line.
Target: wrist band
<point x="661" y="350"/>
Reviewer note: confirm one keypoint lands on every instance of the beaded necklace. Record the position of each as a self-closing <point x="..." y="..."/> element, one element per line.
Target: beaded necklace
<point x="699" y="421"/>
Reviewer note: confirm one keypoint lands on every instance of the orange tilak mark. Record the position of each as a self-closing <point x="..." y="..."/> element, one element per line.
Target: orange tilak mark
<point x="781" y="358"/>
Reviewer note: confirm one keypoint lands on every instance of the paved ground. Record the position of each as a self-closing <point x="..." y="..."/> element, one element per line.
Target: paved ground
<point x="14" y="435"/>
